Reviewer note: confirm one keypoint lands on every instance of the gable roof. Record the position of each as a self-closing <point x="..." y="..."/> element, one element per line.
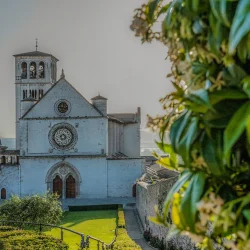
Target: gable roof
<point x="35" y="53"/>
<point x="61" y="79"/>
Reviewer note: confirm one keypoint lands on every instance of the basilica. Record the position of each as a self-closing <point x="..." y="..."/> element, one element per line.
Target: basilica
<point x="64" y="143"/>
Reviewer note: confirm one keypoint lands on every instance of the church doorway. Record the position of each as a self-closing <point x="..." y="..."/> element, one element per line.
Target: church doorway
<point x="3" y="193"/>
<point x="64" y="179"/>
<point x="57" y="186"/>
<point x="70" y="187"/>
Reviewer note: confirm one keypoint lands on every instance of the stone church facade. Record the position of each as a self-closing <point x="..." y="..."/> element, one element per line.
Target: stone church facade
<point x="64" y="143"/>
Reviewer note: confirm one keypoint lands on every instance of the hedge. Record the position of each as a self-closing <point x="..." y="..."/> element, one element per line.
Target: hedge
<point x="121" y="218"/>
<point x="13" y="238"/>
<point x="123" y="241"/>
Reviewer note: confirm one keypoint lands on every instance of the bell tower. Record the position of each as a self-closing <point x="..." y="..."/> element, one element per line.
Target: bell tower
<point x="35" y="73"/>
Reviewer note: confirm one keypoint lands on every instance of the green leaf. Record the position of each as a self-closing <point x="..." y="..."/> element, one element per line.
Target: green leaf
<point x="227" y="94"/>
<point x="246" y="85"/>
<point x="152" y="6"/>
<point x="185" y="176"/>
<point x="246" y="213"/>
<point x="242" y="50"/>
<point x="240" y="26"/>
<point x="211" y="152"/>
<point x="178" y="127"/>
<point x="173" y="232"/>
<point x="220" y="9"/>
<point x="235" y="128"/>
<point x="233" y="75"/>
<point x="168" y="149"/>
<point x="199" y="99"/>
<point x="191" y="197"/>
<point x="185" y="143"/>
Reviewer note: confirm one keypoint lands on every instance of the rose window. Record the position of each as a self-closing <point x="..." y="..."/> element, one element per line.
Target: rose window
<point x="63" y="136"/>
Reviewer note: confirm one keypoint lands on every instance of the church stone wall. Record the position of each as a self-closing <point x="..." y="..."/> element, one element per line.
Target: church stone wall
<point x="122" y="175"/>
<point x="91" y="135"/>
<point x="9" y="179"/>
<point x="93" y="175"/>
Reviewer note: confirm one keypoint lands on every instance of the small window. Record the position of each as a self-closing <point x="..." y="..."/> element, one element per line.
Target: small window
<point x="24" y="70"/>
<point x="3" y="193"/>
<point x="32" y="70"/>
<point x="41" y="71"/>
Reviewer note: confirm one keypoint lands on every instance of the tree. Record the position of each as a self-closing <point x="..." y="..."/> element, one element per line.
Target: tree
<point x="208" y="115"/>
<point x="36" y="208"/>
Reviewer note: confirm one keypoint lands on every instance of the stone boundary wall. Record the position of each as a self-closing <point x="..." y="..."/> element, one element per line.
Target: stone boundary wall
<point x="147" y="197"/>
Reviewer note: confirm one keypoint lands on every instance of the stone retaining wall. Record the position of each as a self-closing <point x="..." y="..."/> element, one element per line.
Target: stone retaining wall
<point x="147" y="197"/>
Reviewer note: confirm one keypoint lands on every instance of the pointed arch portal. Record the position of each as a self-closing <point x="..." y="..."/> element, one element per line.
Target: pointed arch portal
<point x="64" y="179"/>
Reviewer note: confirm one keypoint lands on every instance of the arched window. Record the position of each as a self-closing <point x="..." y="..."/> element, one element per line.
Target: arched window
<point x="29" y="93"/>
<point x="35" y="94"/>
<point x="57" y="186"/>
<point x="24" y="70"/>
<point x="42" y="92"/>
<point x="3" y="193"/>
<point x="32" y="70"/>
<point x="41" y="70"/>
<point x="70" y="187"/>
<point x="23" y="94"/>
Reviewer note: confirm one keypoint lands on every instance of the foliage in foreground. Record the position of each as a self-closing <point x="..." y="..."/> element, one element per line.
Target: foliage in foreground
<point x="36" y="209"/>
<point x="123" y="241"/>
<point x="208" y="115"/>
<point x="12" y="238"/>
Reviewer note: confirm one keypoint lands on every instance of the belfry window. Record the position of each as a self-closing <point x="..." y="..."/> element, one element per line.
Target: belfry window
<point x="41" y="71"/>
<point x="3" y="193"/>
<point x="32" y="70"/>
<point x="24" y="70"/>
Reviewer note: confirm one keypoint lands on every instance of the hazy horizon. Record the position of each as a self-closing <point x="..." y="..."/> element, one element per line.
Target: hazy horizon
<point x="96" y="49"/>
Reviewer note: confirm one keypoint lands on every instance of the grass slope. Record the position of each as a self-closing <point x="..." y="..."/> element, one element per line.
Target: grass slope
<point x="100" y="224"/>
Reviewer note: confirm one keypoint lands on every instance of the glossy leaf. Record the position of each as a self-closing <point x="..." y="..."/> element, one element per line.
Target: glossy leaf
<point x="185" y="176"/>
<point x="236" y="127"/>
<point x="212" y="154"/>
<point x="185" y="143"/>
<point x="191" y="197"/>
<point x="226" y="94"/>
<point x="246" y="85"/>
<point x="240" y="25"/>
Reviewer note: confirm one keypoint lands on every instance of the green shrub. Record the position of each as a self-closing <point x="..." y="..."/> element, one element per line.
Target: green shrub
<point x="28" y="240"/>
<point x="7" y="228"/>
<point x="124" y="242"/>
<point x="36" y="208"/>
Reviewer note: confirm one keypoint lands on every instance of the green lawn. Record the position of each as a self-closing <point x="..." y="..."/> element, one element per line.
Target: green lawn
<point x="100" y="224"/>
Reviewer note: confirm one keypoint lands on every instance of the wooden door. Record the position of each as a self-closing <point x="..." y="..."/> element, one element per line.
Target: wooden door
<point x="70" y="187"/>
<point x="134" y="190"/>
<point x="57" y="186"/>
<point x="3" y="193"/>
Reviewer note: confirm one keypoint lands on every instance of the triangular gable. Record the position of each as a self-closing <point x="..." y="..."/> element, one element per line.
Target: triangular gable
<point x="62" y="90"/>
